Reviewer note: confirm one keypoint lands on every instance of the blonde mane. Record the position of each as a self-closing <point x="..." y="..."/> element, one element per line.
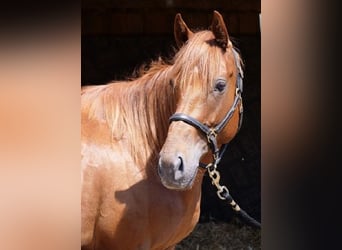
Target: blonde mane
<point x="138" y="111"/>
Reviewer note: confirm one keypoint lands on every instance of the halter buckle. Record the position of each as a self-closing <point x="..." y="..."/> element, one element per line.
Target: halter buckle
<point x="211" y="134"/>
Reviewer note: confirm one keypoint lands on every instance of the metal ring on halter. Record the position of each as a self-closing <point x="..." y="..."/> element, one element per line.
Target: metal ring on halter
<point x="238" y="92"/>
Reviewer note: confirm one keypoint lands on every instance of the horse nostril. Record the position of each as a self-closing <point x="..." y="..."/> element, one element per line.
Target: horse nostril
<point x="180" y="166"/>
<point x="179" y="169"/>
<point x="171" y="168"/>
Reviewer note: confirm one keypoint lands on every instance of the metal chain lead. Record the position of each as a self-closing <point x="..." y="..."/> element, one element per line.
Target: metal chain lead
<point x="222" y="191"/>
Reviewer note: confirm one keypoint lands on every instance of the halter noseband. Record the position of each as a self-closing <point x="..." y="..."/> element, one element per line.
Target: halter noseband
<point x="212" y="132"/>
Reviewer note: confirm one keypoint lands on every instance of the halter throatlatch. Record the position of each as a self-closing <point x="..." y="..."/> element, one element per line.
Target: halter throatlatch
<point x="211" y="134"/>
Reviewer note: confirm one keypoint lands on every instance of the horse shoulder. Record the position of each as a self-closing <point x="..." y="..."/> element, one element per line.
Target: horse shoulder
<point x="98" y="177"/>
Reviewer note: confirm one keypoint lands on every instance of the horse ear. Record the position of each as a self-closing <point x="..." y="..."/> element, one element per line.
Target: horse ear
<point x="219" y="29"/>
<point x="181" y="31"/>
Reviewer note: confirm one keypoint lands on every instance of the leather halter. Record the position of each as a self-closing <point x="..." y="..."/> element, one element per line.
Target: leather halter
<point x="212" y="132"/>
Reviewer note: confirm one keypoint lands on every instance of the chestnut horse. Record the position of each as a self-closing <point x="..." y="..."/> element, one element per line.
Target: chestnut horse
<point x="141" y="184"/>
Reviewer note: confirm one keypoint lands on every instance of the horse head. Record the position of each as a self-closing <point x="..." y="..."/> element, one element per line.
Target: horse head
<point x="207" y="86"/>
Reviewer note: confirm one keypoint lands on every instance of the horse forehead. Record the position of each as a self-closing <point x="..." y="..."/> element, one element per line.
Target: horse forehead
<point x="230" y="63"/>
<point x="225" y="66"/>
<point x="227" y="61"/>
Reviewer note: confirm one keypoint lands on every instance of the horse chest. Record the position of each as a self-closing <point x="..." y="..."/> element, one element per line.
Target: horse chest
<point x="160" y="216"/>
<point x="175" y="215"/>
<point x="153" y="217"/>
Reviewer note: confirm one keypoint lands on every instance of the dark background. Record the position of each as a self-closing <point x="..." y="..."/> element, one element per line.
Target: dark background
<point x="119" y="36"/>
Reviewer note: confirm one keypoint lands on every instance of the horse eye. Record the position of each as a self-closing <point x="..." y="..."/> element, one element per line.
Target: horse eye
<point x="220" y="85"/>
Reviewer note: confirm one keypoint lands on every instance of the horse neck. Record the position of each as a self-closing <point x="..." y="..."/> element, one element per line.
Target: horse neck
<point x="150" y="101"/>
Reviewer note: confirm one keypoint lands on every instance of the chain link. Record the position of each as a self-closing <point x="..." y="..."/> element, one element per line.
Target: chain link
<point x="220" y="192"/>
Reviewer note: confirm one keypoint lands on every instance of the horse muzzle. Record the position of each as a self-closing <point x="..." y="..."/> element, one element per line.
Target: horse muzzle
<point x="175" y="172"/>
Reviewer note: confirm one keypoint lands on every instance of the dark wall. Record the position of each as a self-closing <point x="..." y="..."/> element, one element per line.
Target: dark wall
<point x="119" y="36"/>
